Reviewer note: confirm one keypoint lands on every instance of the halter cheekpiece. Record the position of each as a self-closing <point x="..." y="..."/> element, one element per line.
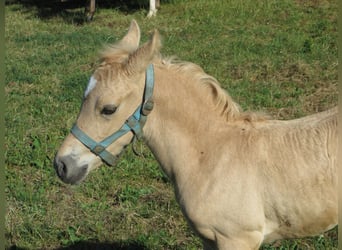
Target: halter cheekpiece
<point x="134" y="123"/>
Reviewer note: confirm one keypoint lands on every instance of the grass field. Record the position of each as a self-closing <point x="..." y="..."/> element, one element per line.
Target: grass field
<point x="279" y="57"/>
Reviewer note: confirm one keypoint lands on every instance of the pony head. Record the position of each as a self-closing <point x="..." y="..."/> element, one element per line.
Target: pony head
<point x="114" y="92"/>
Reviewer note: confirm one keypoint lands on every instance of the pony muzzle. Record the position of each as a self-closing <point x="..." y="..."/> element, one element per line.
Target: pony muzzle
<point x="67" y="174"/>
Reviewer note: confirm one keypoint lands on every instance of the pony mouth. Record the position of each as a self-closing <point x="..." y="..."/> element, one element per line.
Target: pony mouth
<point x="77" y="179"/>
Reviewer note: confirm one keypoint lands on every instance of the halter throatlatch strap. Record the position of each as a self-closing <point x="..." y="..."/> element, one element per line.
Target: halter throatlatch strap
<point x="134" y="123"/>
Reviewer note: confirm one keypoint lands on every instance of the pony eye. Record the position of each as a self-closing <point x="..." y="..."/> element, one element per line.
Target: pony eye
<point x="108" y="110"/>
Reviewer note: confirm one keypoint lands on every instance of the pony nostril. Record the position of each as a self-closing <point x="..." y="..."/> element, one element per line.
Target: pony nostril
<point x="61" y="168"/>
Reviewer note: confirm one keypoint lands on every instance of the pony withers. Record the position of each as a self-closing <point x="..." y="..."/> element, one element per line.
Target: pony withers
<point x="240" y="178"/>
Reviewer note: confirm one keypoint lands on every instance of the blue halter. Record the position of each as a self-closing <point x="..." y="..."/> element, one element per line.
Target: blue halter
<point x="134" y="123"/>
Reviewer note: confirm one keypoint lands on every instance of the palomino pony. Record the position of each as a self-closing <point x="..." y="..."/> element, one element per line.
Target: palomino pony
<point x="241" y="179"/>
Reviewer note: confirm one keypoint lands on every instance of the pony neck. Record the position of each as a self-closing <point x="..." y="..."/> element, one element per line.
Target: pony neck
<point x="177" y="128"/>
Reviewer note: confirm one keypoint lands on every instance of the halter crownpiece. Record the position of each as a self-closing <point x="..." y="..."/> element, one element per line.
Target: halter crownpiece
<point x="134" y="123"/>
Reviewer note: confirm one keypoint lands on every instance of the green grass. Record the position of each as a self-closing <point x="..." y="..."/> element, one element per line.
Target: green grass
<point x="276" y="56"/>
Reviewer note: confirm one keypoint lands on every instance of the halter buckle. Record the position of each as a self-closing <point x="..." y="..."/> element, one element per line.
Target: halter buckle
<point x="98" y="149"/>
<point x="147" y="107"/>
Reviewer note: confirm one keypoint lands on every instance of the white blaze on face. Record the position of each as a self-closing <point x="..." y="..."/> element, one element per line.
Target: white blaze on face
<point x="91" y="86"/>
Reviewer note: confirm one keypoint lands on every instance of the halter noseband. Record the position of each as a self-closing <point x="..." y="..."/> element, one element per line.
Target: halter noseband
<point x="134" y="123"/>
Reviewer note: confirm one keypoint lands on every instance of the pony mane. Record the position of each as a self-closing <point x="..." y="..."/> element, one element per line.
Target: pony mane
<point x="119" y="54"/>
<point x="224" y="103"/>
<point x="115" y="53"/>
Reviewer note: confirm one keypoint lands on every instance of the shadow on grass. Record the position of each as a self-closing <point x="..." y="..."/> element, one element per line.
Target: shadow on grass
<point x="74" y="11"/>
<point x="104" y="246"/>
<point x="85" y="245"/>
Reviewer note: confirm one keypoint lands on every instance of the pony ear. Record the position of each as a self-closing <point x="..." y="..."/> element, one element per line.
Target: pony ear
<point x="142" y="57"/>
<point x="132" y="38"/>
<point x="119" y="52"/>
